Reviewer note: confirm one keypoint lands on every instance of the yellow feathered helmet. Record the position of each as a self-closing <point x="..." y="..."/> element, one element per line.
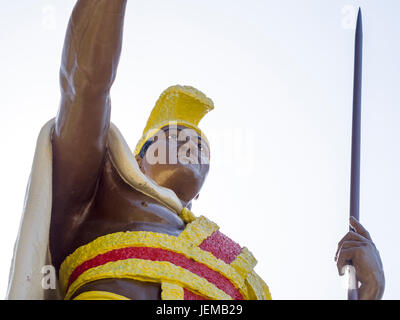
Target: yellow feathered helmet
<point x="178" y="105"/>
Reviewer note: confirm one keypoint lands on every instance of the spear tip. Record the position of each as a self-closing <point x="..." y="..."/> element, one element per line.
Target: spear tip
<point x="359" y="27"/>
<point x="359" y="18"/>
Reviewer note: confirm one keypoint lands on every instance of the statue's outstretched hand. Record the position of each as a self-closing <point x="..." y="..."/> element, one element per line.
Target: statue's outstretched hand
<point x="358" y="247"/>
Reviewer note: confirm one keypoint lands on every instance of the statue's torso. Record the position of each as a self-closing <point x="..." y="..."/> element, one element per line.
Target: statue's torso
<point x="115" y="207"/>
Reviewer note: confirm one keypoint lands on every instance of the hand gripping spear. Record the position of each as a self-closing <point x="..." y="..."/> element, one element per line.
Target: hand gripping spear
<point x="352" y="293"/>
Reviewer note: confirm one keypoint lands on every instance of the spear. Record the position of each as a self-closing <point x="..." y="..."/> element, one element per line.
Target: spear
<point x="352" y="291"/>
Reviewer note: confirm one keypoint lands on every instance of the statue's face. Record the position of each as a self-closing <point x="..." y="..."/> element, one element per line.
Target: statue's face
<point x="177" y="159"/>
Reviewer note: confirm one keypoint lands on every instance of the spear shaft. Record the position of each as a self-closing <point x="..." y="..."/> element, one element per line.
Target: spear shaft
<point x="352" y="293"/>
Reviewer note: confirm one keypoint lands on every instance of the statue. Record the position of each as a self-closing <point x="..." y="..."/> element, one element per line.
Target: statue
<point x="117" y="225"/>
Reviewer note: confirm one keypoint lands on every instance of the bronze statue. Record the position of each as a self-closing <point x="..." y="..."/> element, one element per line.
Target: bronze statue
<point x="108" y="224"/>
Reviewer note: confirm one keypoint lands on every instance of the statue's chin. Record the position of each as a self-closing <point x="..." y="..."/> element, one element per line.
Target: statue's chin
<point x="185" y="180"/>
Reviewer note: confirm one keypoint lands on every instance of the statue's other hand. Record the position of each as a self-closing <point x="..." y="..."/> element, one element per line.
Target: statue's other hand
<point x="358" y="247"/>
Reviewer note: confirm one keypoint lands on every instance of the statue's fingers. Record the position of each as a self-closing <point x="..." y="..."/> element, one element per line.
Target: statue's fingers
<point x="351" y="244"/>
<point x="357" y="226"/>
<point x="344" y="258"/>
<point x="350" y="236"/>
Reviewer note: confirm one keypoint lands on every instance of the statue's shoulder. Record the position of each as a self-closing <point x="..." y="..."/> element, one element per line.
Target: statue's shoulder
<point x="205" y="234"/>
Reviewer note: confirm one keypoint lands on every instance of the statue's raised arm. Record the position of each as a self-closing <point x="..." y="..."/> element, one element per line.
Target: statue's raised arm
<point x="89" y="63"/>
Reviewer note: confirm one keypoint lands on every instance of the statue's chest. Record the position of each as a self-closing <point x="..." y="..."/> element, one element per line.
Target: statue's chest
<point x="199" y="263"/>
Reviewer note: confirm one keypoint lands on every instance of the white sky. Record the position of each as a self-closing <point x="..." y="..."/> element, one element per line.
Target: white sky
<point x="280" y="75"/>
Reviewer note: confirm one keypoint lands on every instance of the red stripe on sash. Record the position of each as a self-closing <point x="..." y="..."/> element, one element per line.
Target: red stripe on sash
<point x="189" y="295"/>
<point x="157" y="254"/>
